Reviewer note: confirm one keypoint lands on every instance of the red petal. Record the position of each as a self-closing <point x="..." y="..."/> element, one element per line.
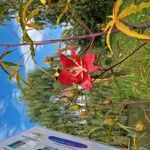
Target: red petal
<point x="66" y="62"/>
<point x="88" y="60"/>
<point x="73" y="53"/>
<point x="66" y="77"/>
<point x="74" y="56"/>
<point x="86" y="83"/>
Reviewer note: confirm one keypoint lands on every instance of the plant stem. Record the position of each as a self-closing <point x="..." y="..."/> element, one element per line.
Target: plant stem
<point x="115" y="65"/>
<point x="74" y="38"/>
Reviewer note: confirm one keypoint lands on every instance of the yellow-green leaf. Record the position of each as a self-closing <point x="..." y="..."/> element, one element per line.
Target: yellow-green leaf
<point x="20" y="19"/>
<point x="64" y="12"/>
<point x="108" y="39"/>
<point x="25" y="8"/>
<point x="6" y="53"/>
<point x="9" y="63"/>
<point x="20" y="85"/>
<point x="43" y="2"/>
<point x="126" y="30"/>
<point x="109" y="24"/>
<point x="35" y="26"/>
<point x="27" y="39"/>
<point x="129" y="129"/>
<point x="133" y="9"/>
<point x="117" y="7"/>
<point x="33" y="13"/>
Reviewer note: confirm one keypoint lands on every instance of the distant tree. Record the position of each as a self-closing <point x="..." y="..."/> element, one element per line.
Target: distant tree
<point x="42" y="96"/>
<point x="9" y="8"/>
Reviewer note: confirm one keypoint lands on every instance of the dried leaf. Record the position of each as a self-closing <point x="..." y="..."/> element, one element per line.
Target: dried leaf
<point x="108" y="39"/>
<point x="117" y="7"/>
<point x="126" y="30"/>
<point x="133" y="9"/>
<point x="116" y="20"/>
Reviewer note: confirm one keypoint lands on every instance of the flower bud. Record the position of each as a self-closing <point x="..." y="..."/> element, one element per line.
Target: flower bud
<point x="139" y="126"/>
<point x="108" y="121"/>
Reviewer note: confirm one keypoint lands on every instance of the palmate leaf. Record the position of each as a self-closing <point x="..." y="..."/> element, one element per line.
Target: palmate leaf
<point x="116" y="20"/>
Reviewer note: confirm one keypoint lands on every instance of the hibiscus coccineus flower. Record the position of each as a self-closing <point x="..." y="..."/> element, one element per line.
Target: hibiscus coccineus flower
<point x="76" y="70"/>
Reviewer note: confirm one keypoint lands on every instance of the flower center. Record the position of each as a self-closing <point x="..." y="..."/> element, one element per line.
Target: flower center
<point x="77" y="70"/>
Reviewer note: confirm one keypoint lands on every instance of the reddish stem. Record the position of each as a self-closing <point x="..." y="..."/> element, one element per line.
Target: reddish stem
<point x="75" y="38"/>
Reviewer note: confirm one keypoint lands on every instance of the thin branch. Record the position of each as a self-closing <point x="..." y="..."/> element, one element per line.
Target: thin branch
<point x="75" y="38"/>
<point x="120" y="62"/>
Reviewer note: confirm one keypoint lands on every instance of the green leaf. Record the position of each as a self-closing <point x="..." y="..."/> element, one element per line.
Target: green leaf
<point x="9" y="63"/>
<point x="33" y="13"/>
<point x="43" y="2"/>
<point x="93" y="130"/>
<point x="129" y="129"/>
<point x="27" y="39"/>
<point x="63" y="12"/>
<point x="5" y="54"/>
<point x="20" y="18"/>
<point x="20" y="86"/>
<point x="35" y="26"/>
<point x="25" y="8"/>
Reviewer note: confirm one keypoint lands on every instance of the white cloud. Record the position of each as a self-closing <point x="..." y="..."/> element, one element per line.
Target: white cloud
<point x="13" y="80"/>
<point x="16" y="102"/>
<point x="7" y="131"/>
<point x="2" y="107"/>
<point x="25" y="50"/>
<point x="20" y="106"/>
<point x="65" y="26"/>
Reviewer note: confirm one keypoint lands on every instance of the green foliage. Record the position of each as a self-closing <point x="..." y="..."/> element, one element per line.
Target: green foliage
<point x="9" y="9"/>
<point x="104" y="117"/>
<point x="41" y="95"/>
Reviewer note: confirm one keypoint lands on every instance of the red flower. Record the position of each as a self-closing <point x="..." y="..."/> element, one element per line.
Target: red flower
<point x="76" y="70"/>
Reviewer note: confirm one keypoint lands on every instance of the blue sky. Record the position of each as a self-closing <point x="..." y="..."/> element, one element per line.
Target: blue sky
<point x="13" y="115"/>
